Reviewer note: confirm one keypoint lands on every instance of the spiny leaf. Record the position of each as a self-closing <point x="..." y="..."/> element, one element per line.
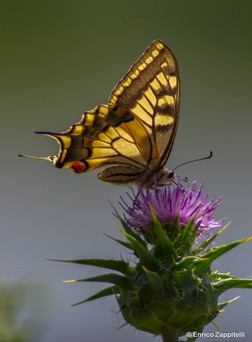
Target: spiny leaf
<point x="223" y="304"/>
<point x="233" y="282"/>
<point x="215" y="325"/>
<point x="206" y="259"/>
<point x="208" y="241"/>
<point x="112" y="278"/>
<point x="116" y="265"/>
<point x="128" y="229"/>
<point x="146" y="258"/>
<point x="164" y="248"/>
<point x="154" y="280"/>
<point x="112" y="290"/>
<point x="186" y="237"/>
<point x="216" y="252"/>
<point x="131" y="232"/>
<point x="187" y="262"/>
<point x="123" y="243"/>
<point x="217" y="275"/>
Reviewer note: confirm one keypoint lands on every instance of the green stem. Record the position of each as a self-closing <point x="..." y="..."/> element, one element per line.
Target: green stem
<point x="170" y="335"/>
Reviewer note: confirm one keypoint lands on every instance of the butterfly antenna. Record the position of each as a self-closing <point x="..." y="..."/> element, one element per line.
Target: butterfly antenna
<point x="194" y="160"/>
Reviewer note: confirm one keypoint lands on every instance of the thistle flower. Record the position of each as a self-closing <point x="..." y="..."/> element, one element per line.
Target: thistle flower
<point x="170" y="202"/>
<point x="167" y="287"/>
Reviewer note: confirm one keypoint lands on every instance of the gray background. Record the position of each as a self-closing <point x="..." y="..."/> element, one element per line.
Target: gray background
<point x="60" y="58"/>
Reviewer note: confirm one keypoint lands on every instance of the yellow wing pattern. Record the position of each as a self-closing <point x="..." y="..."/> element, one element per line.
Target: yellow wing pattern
<point x="133" y="135"/>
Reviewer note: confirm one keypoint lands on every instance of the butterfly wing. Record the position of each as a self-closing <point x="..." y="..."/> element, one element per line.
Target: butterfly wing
<point x="132" y="136"/>
<point x="104" y="138"/>
<point x="151" y="91"/>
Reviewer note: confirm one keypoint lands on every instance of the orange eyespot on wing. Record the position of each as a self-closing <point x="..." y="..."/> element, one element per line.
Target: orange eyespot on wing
<point x="78" y="167"/>
<point x="132" y="136"/>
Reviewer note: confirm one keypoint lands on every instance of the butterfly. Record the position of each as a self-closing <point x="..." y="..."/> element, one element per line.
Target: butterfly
<point x="131" y="137"/>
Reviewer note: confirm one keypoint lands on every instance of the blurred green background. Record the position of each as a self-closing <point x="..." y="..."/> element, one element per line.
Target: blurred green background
<point x="60" y="58"/>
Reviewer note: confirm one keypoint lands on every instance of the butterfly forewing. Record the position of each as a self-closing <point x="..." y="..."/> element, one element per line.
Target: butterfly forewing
<point x="150" y="90"/>
<point x="132" y="136"/>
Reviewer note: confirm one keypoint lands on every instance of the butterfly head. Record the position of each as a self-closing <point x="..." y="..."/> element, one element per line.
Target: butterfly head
<point x="166" y="176"/>
<point x="163" y="176"/>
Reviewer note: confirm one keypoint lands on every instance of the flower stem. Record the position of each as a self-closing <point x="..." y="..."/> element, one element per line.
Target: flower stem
<point x="170" y="335"/>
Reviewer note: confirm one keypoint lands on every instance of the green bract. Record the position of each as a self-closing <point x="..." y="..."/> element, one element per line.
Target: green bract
<point x="168" y="283"/>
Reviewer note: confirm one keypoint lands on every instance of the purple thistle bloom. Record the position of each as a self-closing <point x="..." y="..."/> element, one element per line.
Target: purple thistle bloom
<point x="171" y="202"/>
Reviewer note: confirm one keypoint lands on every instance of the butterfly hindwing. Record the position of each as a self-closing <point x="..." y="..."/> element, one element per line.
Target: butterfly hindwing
<point x="99" y="140"/>
<point x="132" y="136"/>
